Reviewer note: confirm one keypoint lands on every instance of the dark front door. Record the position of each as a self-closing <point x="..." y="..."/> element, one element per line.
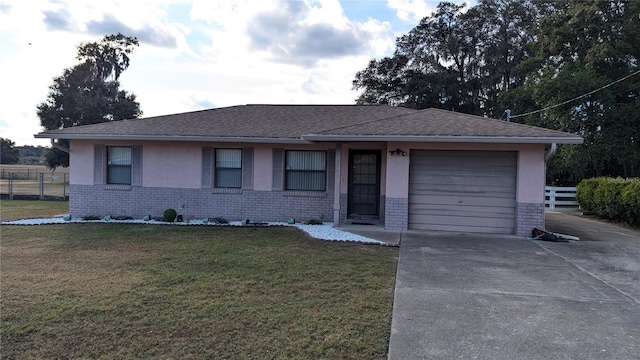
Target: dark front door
<point x="364" y="184"/>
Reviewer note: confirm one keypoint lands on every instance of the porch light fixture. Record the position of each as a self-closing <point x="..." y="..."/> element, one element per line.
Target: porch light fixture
<point x="398" y="152"/>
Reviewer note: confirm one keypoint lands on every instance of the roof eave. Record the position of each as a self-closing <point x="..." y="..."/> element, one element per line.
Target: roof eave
<point x="448" y="139"/>
<point x="230" y="139"/>
<point x="311" y="138"/>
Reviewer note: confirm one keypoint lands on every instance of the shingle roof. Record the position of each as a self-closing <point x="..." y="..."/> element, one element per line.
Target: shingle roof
<point x="303" y="123"/>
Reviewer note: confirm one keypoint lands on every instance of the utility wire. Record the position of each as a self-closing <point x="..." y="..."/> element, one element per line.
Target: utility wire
<point x="576" y="98"/>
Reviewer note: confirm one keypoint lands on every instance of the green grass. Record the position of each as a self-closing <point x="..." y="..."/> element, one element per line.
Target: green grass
<point x="29" y="209"/>
<point x="145" y="291"/>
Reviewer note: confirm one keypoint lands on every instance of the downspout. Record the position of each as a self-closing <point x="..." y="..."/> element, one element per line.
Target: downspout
<point x="551" y="152"/>
<point x="58" y="146"/>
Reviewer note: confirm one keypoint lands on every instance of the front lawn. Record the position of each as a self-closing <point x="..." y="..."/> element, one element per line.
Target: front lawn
<point x="156" y="291"/>
<point x="30" y="209"/>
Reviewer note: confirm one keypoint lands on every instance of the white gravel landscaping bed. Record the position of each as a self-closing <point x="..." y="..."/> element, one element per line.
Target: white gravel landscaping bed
<point x="325" y="231"/>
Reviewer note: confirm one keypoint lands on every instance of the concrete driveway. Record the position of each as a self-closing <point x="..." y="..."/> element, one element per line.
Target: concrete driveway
<point x="496" y="297"/>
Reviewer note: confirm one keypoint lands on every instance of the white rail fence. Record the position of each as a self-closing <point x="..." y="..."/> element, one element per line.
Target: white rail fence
<point x="560" y="198"/>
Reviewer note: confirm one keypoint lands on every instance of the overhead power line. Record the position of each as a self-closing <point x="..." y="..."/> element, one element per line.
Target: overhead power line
<point x="576" y="98"/>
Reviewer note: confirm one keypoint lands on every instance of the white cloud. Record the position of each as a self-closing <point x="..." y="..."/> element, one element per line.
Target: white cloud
<point x="411" y="10"/>
<point x="193" y="54"/>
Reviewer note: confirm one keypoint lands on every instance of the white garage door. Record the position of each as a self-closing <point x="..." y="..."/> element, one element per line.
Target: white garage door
<point x="464" y="191"/>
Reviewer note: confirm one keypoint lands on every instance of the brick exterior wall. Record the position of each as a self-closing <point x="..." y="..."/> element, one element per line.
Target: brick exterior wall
<point x="528" y="216"/>
<point x="396" y="214"/>
<point x="343" y="208"/>
<point x="255" y="205"/>
<point x="383" y="209"/>
<point x="200" y="203"/>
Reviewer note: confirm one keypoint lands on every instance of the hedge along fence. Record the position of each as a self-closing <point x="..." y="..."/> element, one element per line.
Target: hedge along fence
<point x="616" y="199"/>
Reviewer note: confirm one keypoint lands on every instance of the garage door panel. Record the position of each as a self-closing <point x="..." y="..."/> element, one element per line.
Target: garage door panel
<point x="462" y="163"/>
<point x="434" y="189"/>
<point x="471" y="169"/>
<point x="462" y="191"/>
<point x="463" y="228"/>
<point x="467" y="221"/>
<point x="455" y="225"/>
<point x="495" y="201"/>
<point x="447" y="210"/>
<point x="460" y="155"/>
<point x="462" y="177"/>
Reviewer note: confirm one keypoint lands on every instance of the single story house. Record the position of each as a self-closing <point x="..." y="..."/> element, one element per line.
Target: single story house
<point x="402" y="168"/>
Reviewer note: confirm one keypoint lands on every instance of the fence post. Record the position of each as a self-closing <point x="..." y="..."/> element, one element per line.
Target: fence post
<point x="552" y="198"/>
<point x="41" y="186"/>
<point x="10" y="186"/>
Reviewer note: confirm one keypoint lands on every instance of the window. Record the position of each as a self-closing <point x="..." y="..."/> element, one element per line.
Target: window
<point x="228" y="168"/>
<point x="119" y="165"/>
<point x="306" y="170"/>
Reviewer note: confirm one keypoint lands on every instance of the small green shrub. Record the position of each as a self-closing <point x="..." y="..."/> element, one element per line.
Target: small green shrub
<point x="612" y="206"/>
<point x="314" y="222"/>
<point x="585" y="193"/>
<point x="616" y="199"/>
<point x="218" y="220"/>
<point x="170" y="215"/>
<point x="631" y="200"/>
<point x="92" y="217"/>
<point x="121" y="217"/>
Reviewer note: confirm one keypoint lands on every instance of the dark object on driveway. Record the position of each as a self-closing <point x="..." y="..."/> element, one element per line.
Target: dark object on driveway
<point x="545" y="236"/>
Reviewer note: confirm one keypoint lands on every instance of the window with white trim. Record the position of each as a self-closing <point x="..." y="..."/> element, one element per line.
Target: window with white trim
<point x="119" y="165"/>
<point x="228" y="168"/>
<point x="305" y="170"/>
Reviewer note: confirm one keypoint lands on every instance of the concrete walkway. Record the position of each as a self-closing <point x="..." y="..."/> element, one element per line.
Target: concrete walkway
<point x="500" y="297"/>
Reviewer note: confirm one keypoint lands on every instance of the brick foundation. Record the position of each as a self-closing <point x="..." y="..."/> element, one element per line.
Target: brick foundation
<point x="528" y="216"/>
<point x="343" y="208"/>
<point x="396" y="214"/>
<point x="200" y="203"/>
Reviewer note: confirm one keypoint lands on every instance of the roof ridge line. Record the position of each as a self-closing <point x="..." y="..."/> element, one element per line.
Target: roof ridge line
<point x="290" y="105"/>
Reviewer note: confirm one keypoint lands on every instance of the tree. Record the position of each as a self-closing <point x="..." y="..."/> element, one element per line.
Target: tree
<point x="29" y="154"/>
<point x="8" y="154"/>
<point x="89" y="92"/>
<point x="455" y="60"/>
<point x="583" y="49"/>
<point x="109" y="56"/>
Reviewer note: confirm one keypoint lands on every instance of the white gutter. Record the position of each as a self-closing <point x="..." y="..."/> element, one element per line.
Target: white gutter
<point x="312" y="138"/>
<point x="447" y="139"/>
<point x="58" y="146"/>
<point x="190" y="138"/>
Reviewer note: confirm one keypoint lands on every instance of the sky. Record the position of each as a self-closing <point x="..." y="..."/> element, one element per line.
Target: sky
<point x="200" y="54"/>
